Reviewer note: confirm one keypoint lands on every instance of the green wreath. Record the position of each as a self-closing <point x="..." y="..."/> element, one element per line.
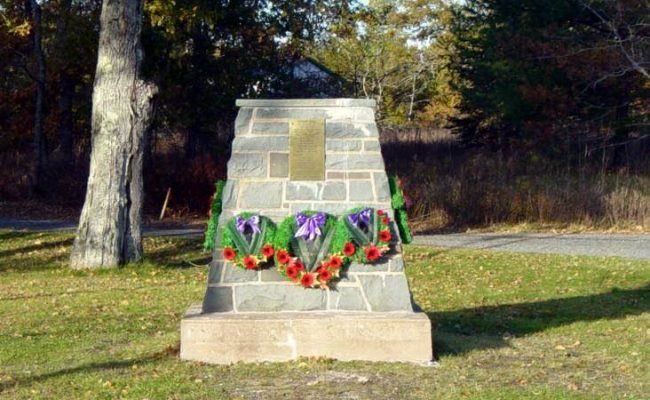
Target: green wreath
<point x="369" y="230"/>
<point x="398" y="203"/>
<point x="213" y="221"/>
<point x="307" y="251"/>
<point x="247" y="240"/>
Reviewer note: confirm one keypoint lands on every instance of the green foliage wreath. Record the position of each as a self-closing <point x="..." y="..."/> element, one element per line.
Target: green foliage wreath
<point x="245" y="246"/>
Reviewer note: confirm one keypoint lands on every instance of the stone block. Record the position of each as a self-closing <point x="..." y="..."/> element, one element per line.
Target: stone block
<point x="229" y="195"/>
<point x="242" y="122"/>
<point x="361" y="191"/>
<point x="278" y="297"/>
<point x="216" y="269"/>
<point x="365" y="114"/>
<point x="371" y="145"/>
<point x="337" y="208"/>
<point x="344" y="162"/>
<point x="261" y="143"/>
<point x="387" y="292"/>
<point x="290" y="113"/>
<point x="334" y="191"/>
<point x="302" y="190"/>
<point x="358" y="175"/>
<point x="335" y="175"/>
<point x="355" y="104"/>
<point x="270" y="128"/>
<point x="245" y="165"/>
<point x="233" y="274"/>
<point x="217" y="299"/>
<point x="347" y="299"/>
<point x="260" y="195"/>
<point x="343" y="145"/>
<point x="340" y="130"/>
<point x="397" y="263"/>
<point x="225" y="338"/>
<point x="298" y="207"/>
<point x="272" y="275"/>
<point x="382" y="190"/>
<point x="279" y="165"/>
<point x="377" y="267"/>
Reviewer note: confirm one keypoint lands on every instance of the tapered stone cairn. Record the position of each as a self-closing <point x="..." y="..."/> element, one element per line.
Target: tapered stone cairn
<point x="250" y="315"/>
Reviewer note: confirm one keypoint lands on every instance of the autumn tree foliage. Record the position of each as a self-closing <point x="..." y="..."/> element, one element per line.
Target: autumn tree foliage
<point x="533" y="73"/>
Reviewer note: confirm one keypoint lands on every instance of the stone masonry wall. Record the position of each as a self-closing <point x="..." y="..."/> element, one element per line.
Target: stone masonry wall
<point x="258" y="181"/>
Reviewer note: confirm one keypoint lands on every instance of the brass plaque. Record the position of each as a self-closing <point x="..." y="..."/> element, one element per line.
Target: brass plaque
<point x="307" y="150"/>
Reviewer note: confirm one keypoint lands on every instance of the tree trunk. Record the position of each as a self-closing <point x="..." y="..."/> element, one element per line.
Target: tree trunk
<point x="39" y="140"/>
<point x="109" y="232"/>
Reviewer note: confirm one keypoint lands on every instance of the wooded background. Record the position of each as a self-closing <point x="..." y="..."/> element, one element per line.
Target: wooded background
<point x="490" y="110"/>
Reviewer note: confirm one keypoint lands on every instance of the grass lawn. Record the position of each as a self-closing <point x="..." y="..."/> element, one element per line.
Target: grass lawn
<point x="507" y="326"/>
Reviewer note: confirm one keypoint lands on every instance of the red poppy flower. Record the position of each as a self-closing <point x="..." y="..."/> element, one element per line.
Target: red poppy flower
<point x="307" y="280"/>
<point x="380" y="212"/>
<point x="324" y="276"/>
<point x="372" y="253"/>
<point x="385" y="236"/>
<point x="250" y="262"/>
<point x="283" y="257"/>
<point x="298" y="265"/>
<point x="336" y="262"/>
<point x="385" y="220"/>
<point x="292" y="272"/>
<point x="267" y="250"/>
<point x="349" y="249"/>
<point x="229" y="254"/>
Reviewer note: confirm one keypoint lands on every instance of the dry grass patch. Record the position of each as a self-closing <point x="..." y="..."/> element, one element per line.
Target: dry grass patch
<point x="508" y="326"/>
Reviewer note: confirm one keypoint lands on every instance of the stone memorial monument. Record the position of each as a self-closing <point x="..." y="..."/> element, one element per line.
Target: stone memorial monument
<point x="288" y="157"/>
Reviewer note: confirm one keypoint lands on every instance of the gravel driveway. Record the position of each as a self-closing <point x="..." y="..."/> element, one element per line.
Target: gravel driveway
<point x="629" y="246"/>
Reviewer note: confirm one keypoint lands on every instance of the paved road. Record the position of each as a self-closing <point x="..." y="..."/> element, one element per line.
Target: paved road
<point x="629" y="246"/>
<point x="56" y="225"/>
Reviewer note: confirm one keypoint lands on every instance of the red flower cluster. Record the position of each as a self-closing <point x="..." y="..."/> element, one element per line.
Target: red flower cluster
<point x="283" y="257"/>
<point x="328" y="270"/>
<point x="372" y="253"/>
<point x="268" y="251"/>
<point x="229" y="254"/>
<point x="248" y="261"/>
<point x="349" y="249"/>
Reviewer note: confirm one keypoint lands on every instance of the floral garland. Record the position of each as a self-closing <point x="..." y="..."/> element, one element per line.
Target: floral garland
<point x="369" y="229"/>
<point x="400" y="202"/>
<point x="309" y="248"/>
<point x="306" y="254"/>
<point x="213" y="221"/>
<point x="247" y="240"/>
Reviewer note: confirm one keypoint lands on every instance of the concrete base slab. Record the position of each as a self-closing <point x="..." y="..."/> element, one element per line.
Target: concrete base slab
<point x="224" y="338"/>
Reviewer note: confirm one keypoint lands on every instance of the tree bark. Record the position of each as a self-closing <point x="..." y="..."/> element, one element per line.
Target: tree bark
<point x="39" y="140"/>
<point x="109" y="232"/>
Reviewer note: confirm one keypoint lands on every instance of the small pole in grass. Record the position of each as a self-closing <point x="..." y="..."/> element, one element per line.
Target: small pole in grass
<point x="164" y="207"/>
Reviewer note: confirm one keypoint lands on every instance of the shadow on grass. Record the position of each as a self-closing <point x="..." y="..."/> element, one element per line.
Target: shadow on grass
<point x="90" y="368"/>
<point x="11" y="235"/>
<point x="36" y="247"/>
<point x="461" y="331"/>
<point x="190" y="252"/>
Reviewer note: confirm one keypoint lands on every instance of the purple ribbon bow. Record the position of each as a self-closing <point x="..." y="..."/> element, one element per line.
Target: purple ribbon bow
<point x="253" y="223"/>
<point x="309" y="227"/>
<point x="361" y="219"/>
